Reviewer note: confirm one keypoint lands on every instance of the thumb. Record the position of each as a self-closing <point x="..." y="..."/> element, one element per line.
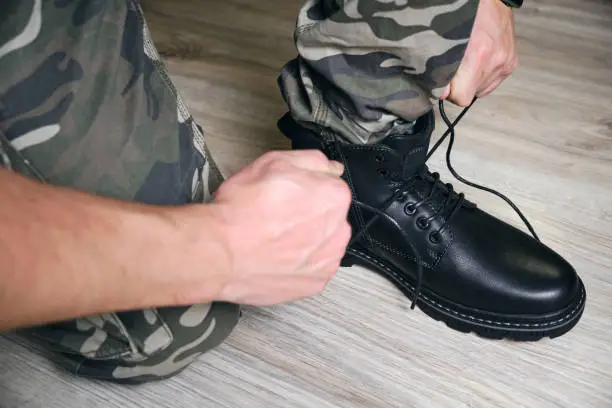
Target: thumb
<point x="336" y="168"/>
<point x="463" y="86"/>
<point x="315" y="161"/>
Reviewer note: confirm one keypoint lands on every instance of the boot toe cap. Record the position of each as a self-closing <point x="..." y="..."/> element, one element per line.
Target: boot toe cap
<point x="541" y="282"/>
<point x="511" y="274"/>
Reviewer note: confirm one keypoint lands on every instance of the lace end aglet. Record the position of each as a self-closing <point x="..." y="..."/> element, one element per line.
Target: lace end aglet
<point x="413" y="305"/>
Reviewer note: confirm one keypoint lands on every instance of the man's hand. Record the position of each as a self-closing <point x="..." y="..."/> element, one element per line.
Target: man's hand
<point x="490" y="56"/>
<point x="276" y="232"/>
<point x="283" y="220"/>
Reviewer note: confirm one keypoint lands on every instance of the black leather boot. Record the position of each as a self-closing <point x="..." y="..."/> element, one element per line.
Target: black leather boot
<point x="459" y="264"/>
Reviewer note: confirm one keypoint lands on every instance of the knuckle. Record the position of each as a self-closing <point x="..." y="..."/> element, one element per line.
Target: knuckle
<point x="273" y="155"/>
<point x="277" y="165"/>
<point x="499" y="59"/>
<point x="317" y="155"/>
<point x="507" y="68"/>
<point x="314" y="157"/>
<point x="271" y="162"/>
<point x="506" y="63"/>
<point x="513" y="63"/>
<point x="484" y="48"/>
<point x="484" y="93"/>
<point x="506" y="71"/>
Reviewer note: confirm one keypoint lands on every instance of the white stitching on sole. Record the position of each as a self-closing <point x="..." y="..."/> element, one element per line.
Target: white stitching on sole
<point x="402" y="280"/>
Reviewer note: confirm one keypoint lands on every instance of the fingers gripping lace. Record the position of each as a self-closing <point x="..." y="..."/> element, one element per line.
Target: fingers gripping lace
<point x="381" y="212"/>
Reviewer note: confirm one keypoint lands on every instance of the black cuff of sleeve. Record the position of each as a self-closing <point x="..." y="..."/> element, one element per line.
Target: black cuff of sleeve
<point x="513" y="3"/>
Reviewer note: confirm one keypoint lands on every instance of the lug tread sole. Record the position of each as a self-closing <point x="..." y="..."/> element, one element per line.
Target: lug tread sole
<point x="486" y="325"/>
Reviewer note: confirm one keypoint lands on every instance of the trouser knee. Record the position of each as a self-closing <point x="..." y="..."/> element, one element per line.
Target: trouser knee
<point x="140" y="347"/>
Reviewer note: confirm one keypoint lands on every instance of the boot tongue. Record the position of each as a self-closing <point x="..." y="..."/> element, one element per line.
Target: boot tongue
<point x="413" y="148"/>
<point x="412" y="144"/>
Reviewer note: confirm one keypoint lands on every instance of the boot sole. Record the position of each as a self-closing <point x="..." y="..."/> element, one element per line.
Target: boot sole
<point x="485" y="324"/>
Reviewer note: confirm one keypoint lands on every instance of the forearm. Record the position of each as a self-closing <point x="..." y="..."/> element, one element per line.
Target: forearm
<point x="66" y="254"/>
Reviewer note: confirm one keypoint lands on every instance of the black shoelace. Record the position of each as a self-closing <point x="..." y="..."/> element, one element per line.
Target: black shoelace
<point x="453" y="199"/>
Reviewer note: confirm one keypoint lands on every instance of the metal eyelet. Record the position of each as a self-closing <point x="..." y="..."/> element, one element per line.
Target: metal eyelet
<point x="410" y="209"/>
<point x="422" y="223"/>
<point x="383" y="172"/>
<point x="435" y="237"/>
<point x="379" y="158"/>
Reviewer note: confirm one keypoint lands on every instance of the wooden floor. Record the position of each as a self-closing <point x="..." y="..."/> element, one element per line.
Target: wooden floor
<point x="544" y="138"/>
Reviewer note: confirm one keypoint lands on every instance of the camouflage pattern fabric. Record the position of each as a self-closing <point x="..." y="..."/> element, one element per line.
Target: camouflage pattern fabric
<point x="367" y="68"/>
<point x="85" y="102"/>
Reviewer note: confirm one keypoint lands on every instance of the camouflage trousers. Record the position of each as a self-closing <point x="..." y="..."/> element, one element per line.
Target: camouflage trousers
<point x="367" y="68"/>
<point x="85" y="102"/>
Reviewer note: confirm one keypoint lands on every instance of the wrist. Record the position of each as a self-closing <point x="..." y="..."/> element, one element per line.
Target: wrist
<point x="194" y="261"/>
